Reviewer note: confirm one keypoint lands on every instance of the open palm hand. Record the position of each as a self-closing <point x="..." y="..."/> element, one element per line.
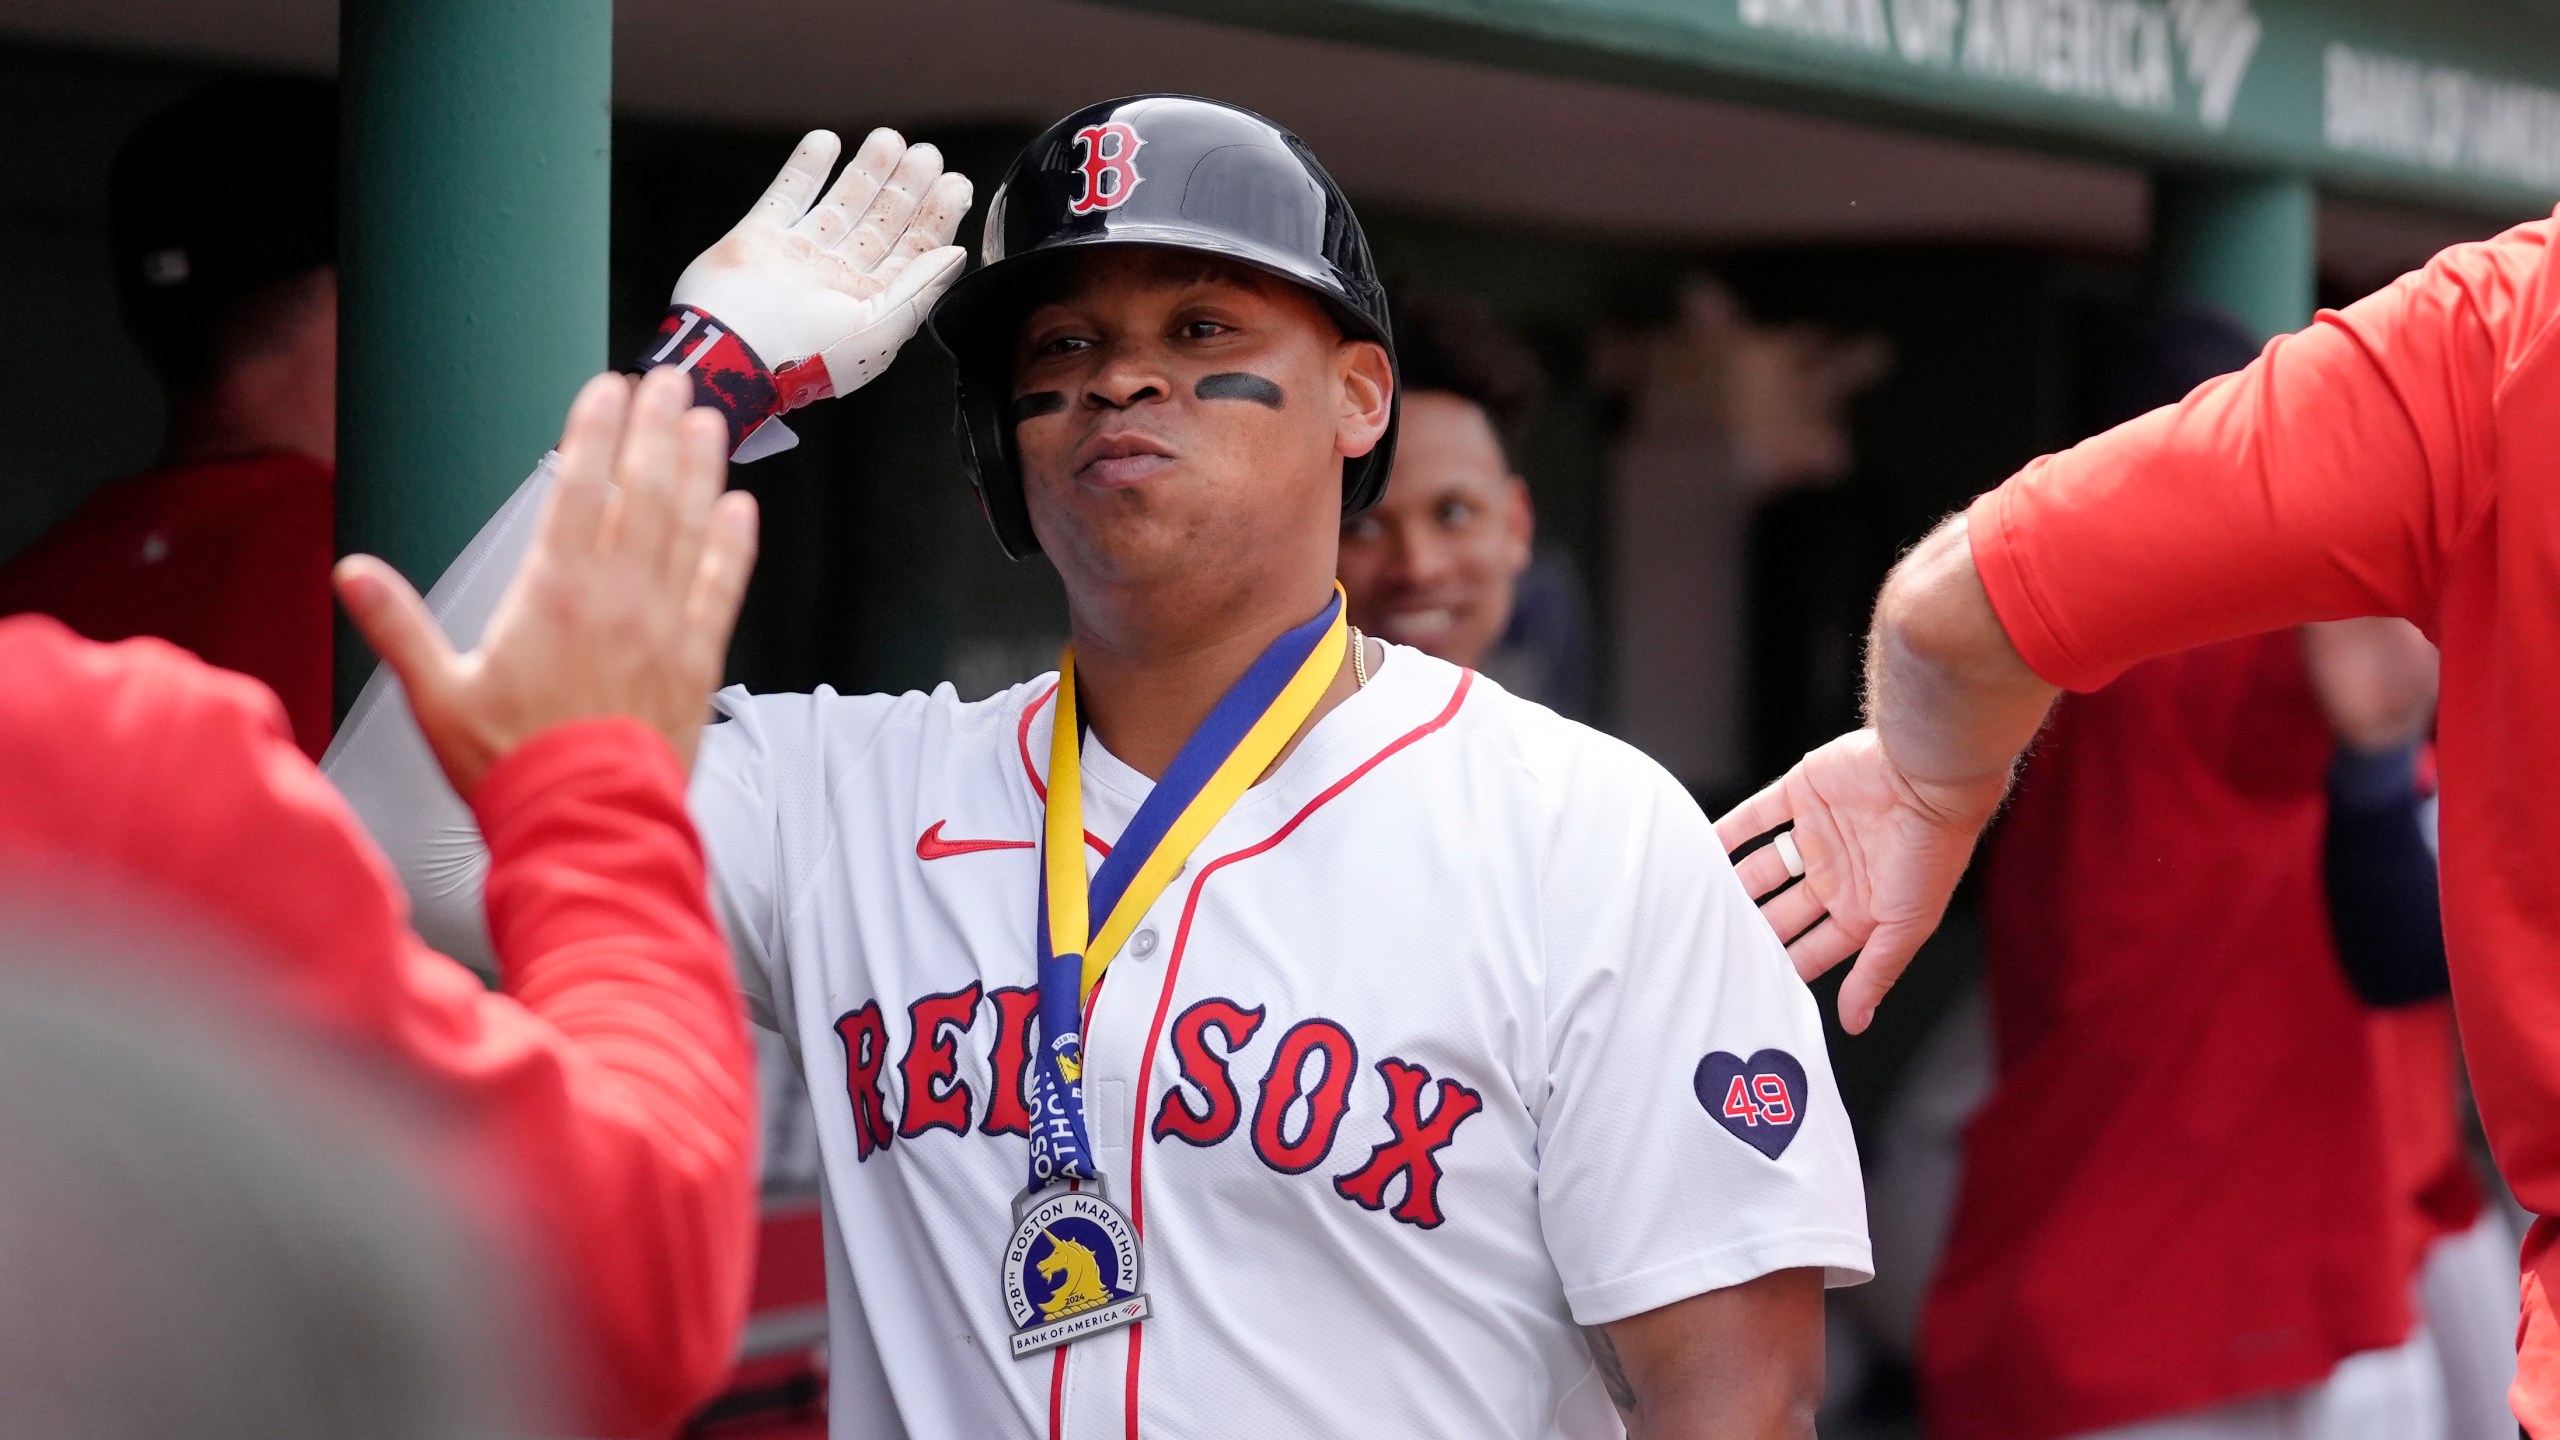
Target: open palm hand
<point x="826" y="287"/>
<point x="622" y="607"/>
<point x="1882" y="853"/>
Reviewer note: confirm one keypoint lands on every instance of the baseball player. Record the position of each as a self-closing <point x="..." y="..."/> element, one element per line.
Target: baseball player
<point x="1253" y="1029"/>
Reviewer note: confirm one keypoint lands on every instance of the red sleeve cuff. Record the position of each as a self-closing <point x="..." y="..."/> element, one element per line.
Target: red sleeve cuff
<point x="2006" y="566"/>
<point x="614" y="749"/>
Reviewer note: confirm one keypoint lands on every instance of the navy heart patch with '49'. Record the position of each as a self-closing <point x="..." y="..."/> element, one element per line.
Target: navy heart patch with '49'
<point x="1761" y="1100"/>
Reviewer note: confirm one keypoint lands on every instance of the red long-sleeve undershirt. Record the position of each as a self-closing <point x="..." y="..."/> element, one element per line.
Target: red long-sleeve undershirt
<point x="601" y="1109"/>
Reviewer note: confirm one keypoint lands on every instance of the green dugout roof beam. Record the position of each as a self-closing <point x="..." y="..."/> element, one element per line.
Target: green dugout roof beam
<point x="475" y="191"/>
<point x="2456" y="102"/>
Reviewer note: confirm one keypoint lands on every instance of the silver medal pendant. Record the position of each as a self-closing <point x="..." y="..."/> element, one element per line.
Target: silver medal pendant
<point x="1070" y="1271"/>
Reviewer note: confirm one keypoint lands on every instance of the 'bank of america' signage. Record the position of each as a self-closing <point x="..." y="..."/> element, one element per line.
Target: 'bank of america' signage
<point x="2153" y="56"/>
<point x="2188" y="63"/>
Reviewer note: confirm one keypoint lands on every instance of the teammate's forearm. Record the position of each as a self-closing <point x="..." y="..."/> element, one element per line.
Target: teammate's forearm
<point x="1946" y="690"/>
<point x="650" y="1118"/>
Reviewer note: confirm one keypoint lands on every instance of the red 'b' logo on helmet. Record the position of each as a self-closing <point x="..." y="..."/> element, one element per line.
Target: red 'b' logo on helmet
<point x="1110" y="168"/>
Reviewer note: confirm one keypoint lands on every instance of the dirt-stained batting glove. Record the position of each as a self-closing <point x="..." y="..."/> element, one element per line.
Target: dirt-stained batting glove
<point x="805" y="300"/>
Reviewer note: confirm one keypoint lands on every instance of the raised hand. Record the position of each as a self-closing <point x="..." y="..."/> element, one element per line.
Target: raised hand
<point x="1881" y="852"/>
<point x="623" y="605"/>
<point x="824" y="288"/>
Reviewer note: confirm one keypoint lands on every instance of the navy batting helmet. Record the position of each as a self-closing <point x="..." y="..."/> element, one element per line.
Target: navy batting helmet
<point x="1174" y="171"/>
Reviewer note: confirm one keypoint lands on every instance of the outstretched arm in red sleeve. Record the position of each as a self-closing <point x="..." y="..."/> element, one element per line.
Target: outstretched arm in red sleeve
<point x="601" y="1110"/>
<point x="2331" y="478"/>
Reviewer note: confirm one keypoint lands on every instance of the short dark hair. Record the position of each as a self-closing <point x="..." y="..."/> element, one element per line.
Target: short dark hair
<point x="212" y="205"/>
<point x="1456" y="345"/>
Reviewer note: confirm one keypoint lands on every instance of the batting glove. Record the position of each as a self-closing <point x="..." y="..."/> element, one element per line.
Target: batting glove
<point x="805" y="300"/>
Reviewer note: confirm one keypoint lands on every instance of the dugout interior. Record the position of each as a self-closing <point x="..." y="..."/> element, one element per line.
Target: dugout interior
<point x="1945" y="290"/>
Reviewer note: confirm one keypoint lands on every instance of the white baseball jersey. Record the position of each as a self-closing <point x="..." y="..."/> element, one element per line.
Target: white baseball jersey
<point x="1455" y="1034"/>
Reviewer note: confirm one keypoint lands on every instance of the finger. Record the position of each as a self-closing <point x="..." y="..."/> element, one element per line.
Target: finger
<point x="582" y="482"/>
<point x="1880" y="963"/>
<point x="1820" y="948"/>
<point x="395" y="622"/>
<point x="720" y="583"/>
<point x="936" y="220"/>
<point x="1792" y="912"/>
<point x="833" y="217"/>
<point x="1755" y="817"/>
<point x="801" y="177"/>
<point x="923" y="281"/>
<point x="893" y="208"/>
<point x="702" y="472"/>
<point x="854" y="361"/>
<point x="1761" y="871"/>
<point x="645" y="471"/>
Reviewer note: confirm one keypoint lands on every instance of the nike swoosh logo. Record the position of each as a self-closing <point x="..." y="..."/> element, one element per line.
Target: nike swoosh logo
<point x="931" y="846"/>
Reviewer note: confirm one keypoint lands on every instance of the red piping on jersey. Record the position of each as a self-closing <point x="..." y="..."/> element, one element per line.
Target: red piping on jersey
<point x="1039" y="787"/>
<point x="1058" y="1393"/>
<point x="1173" y="972"/>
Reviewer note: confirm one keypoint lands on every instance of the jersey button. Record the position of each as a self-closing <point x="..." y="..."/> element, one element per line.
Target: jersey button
<point x="1143" y="944"/>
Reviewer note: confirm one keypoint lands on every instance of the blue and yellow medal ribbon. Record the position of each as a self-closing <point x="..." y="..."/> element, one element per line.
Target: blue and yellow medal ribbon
<point x="1083" y="924"/>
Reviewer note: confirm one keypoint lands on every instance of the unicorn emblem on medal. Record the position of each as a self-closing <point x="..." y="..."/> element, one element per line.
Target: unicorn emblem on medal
<point x="1078" y="1276"/>
<point x="1070" y="1271"/>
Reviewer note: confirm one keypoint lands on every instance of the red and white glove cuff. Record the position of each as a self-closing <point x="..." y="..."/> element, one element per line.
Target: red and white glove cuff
<point x="730" y="377"/>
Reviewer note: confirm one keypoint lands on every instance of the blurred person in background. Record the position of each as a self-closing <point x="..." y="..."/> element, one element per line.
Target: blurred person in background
<point x="207" y="1227"/>
<point x="2250" y="1165"/>
<point x="599" y="1116"/>
<point x="1444" y="562"/>
<point x="222" y="222"/>
<point x="2389" y="459"/>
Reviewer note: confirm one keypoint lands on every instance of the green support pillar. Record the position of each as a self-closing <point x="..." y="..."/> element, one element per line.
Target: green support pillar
<point x="2246" y="245"/>
<point x="476" y="191"/>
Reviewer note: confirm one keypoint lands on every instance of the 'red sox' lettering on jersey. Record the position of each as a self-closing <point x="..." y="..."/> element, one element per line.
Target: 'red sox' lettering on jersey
<point x="1308" y="1088"/>
<point x="1411" y="1149"/>
<point x="1205" y="1072"/>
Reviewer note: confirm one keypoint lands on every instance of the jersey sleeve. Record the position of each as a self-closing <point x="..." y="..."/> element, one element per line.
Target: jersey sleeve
<point x="762" y="790"/>
<point x="381" y="763"/>
<point x="734" y="800"/>
<point x="1692" y="1136"/>
<point x="2331" y="478"/>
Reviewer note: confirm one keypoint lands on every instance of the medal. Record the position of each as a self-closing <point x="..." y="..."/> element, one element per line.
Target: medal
<point x="1071" y="1271"/>
<point x="1071" y="1268"/>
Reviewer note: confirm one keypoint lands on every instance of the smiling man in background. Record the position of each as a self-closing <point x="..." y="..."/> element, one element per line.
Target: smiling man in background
<point x="1443" y="561"/>
<point x="1433" y="563"/>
